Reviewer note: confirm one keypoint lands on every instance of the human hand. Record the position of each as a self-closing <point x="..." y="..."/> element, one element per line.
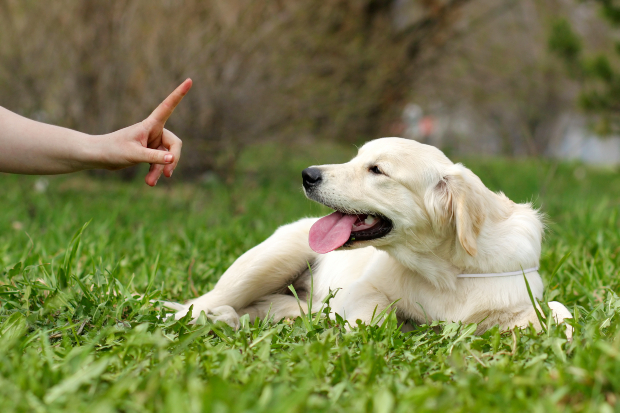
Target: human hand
<point x="146" y="142"/>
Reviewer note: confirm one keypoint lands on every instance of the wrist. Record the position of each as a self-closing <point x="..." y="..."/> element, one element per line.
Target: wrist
<point x="90" y="154"/>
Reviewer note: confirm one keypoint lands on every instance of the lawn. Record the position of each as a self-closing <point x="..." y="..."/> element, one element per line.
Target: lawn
<point x="78" y="331"/>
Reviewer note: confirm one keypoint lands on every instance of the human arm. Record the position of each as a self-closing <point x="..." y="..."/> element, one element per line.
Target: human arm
<point x="30" y="147"/>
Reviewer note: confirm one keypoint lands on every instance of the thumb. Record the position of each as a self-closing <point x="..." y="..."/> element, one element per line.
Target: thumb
<point x="156" y="156"/>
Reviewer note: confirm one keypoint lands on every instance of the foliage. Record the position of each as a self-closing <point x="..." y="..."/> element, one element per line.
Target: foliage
<point x="262" y="70"/>
<point x="78" y="331"/>
<point x="494" y="86"/>
<point x="598" y="72"/>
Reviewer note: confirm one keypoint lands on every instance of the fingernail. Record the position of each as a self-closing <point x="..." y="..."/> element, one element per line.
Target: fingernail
<point x="168" y="158"/>
<point x="171" y="172"/>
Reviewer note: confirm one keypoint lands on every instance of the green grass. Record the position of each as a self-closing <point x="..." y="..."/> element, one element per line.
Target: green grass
<point x="77" y="331"/>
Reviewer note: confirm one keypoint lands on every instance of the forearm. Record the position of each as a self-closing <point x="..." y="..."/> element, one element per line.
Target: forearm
<point x="30" y="147"/>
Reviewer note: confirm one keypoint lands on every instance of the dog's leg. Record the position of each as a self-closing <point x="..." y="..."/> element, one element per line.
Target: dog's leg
<point x="273" y="306"/>
<point x="277" y="307"/>
<point x="360" y="301"/>
<point x="262" y="270"/>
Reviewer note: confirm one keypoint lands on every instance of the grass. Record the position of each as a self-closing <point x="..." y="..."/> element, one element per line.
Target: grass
<point x="78" y="333"/>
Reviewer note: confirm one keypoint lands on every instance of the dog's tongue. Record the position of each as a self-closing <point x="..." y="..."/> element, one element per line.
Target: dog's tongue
<point x="331" y="232"/>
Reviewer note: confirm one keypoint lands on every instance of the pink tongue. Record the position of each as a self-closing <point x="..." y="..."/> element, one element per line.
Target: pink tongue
<point x="331" y="232"/>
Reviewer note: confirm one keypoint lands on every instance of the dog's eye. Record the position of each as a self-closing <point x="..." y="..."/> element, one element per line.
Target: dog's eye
<point x="375" y="170"/>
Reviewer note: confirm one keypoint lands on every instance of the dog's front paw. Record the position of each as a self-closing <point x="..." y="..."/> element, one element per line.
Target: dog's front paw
<point x="226" y="314"/>
<point x="181" y="309"/>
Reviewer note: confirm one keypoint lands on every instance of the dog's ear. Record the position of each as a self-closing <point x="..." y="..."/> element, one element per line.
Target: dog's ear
<point x="458" y="198"/>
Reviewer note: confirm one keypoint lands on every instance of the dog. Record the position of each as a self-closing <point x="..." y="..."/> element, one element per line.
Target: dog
<point x="409" y="229"/>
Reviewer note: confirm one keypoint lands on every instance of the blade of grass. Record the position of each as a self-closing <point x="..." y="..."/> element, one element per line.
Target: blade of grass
<point x="534" y="304"/>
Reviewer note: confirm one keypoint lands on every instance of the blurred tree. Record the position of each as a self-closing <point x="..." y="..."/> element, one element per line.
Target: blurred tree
<point x="262" y="69"/>
<point x="598" y="73"/>
<point x="496" y="87"/>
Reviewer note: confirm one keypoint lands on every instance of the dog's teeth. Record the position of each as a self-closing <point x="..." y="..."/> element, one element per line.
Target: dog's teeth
<point x="370" y="220"/>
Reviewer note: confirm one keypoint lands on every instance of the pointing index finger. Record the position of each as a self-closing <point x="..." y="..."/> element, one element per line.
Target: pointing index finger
<point x="164" y="110"/>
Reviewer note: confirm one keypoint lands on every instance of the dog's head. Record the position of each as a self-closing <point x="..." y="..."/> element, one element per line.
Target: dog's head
<point x="397" y="191"/>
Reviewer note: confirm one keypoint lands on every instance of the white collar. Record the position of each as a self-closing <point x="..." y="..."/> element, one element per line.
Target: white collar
<point x="499" y="274"/>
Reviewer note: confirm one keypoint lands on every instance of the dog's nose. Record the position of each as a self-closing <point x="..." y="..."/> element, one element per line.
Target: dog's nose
<point x="311" y="177"/>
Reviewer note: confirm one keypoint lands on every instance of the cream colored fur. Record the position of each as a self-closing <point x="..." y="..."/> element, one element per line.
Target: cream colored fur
<point x="446" y="222"/>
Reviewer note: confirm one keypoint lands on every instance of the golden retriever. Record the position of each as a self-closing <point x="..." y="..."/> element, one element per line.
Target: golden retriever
<point x="409" y="227"/>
